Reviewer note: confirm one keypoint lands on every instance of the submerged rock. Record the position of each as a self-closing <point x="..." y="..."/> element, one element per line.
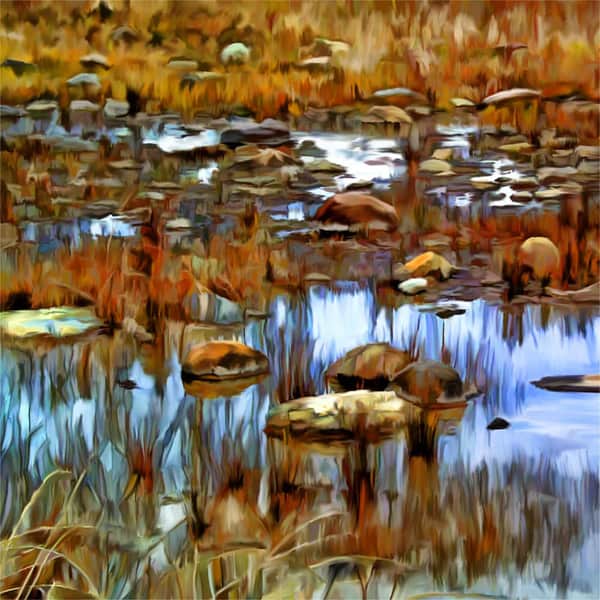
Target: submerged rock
<point x="372" y="367"/>
<point x="268" y="131"/>
<point x="116" y="108"/>
<point x="435" y="165"/>
<point x="356" y="208"/>
<point x="84" y="79"/>
<point x="413" y="285"/>
<point x="540" y="255"/>
<point x="219" y="360"/>
<point x="390" y="114"/>
<point x="591" y="293"/>
<point x="59" y="322"/>
<point x="570" y="383"/>
<point x="498" y="423"/>
<point x="339" y="417"/>
<point x="429" y="382"/>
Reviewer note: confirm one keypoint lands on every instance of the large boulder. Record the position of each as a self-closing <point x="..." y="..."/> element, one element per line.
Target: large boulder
<point x="541" y="256"/>
<point x="428" y="264"/>
<point x="219" y="360"/>
<point x="429" y="382"/>
<point x="371" y="367"/>
<point x="356" y="208"/>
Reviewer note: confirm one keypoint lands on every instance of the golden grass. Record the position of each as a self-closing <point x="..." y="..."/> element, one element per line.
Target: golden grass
<point x="447" y="50"/>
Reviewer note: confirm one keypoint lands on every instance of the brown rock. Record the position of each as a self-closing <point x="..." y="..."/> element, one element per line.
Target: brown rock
<point x="371" y="367"/>
<point x="219" y="360"/>
<point x="356" y="208"/>
<point x="429" y="382"/>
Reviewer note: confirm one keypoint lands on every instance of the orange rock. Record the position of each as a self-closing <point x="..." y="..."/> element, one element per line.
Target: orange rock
<point x="218" y="360"/>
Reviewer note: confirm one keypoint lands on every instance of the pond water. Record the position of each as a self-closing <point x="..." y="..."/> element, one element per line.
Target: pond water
<point x="516" y="510"/>
<point x="65" y="398"/>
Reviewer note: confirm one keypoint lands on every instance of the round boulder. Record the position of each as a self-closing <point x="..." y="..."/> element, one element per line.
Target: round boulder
<point x="428" y="382"/>
<point x="219" y="360"/>
<point x="371" y="367"/>
<point x="541" y="255"/>
<point x="356" y="208"/>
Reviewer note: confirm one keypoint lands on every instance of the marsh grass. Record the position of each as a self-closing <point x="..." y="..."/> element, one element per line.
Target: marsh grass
<point x="442" y="51"/>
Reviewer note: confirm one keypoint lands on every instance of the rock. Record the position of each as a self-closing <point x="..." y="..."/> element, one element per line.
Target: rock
<point x="58" y="322"/>
<point x="95" y="59"/>
<point x="413" y="285"/>
<point x="435" y="165"/>
<point x="41" y="107"/>
<point x="429" y="264"/>
<point x="442" y="154"/>
<point x="548" y="175"/>
<point x="9" y="235"/>
<point x="315" y="63"/>
<point x="390" y="114"/>
<point x="324" y="166"/>
<point x="84" y="106"/>
<point x="18" y="67"/>
<point x="198" y="76"/>
<point x="235" y="53"/>
<point x="114" y="109"/>
<point x="517" y="147"/>
<point x="11" y="112"/>
<point x="219" y="360"/>
<point x="570" y="383"/>
<point x="428" y="382"/>
<point x="339" y="417"/>
<point x="201" y="304"/>
<point x="512" y="95"/>
<point x="447" y="312"/>
<point x="591" y="293"/>
<point x="270" y="130"/>
<point x="181" y="63"/>
<point x="356" y="208"/>
<point x="401" y="92"/>
<point x="498" y="423"/>
<point x="588" y="152"/>
<point x="371" y="367"/>
<point x="90" y="79"/>
<point x="462" y="102"/>
<point x="589" y="167"/>
<point x="541" y="255"/>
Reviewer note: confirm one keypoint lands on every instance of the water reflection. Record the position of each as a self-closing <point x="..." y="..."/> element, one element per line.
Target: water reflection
<point x="67" y="402"/>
